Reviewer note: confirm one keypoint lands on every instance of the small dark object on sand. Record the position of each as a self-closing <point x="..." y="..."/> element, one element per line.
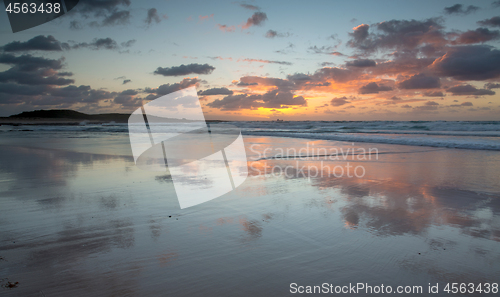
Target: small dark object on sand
<point x="11" y="285"/>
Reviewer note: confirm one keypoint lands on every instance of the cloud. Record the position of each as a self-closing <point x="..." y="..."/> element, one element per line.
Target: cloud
<point x="105" y="13"/>
<point x="101" y="6"/>
<point x="126" y="81"/>
<point x="98" y="44"/>
<point x="272" y="99"/>
<point x="337" y="54"/>
<point x="206" y="17"/>
<point x="82" y="93"/>
<point x="225" y="28"/>
<point x="120" y="17"/>
<point x="434" y="94"/>
<point x="361" y="63"/>
<point x="374" y="88"/>
<point x="126" y="98"/>
<point x="273" y="34"/>
<point x="75" y="25"/>
<point x="469" y="90"/>
<point x="249" y="6"/>
<point x="185" y="70"/>
<point x="30" y="63"/>
<point x="128" y="43"/>
<point x="170" y="88"/>
<point x="321" y="50"/>
<point x="257" y="19"/>
<point x="265" y="61"/>
<point x="479" y="35"/>
<point x="397" y="34"/>
<point x="339" y="101"/>
<point x="429" y="105"/>
<point x="420" y="81"/>
<point x="493" y="22"/>
<point x="459" y="9"/>
<point x="359" y="35"/>
<point x="282" y="84"/>
<point x="37" y="43"/>
<point x="152" y="16"/>
<point x="473" y="62"/>
<point x="216" y="91"/>
<point x="490" y="86"/>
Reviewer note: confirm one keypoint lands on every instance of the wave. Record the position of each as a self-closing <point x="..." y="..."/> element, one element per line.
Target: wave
<point x="445" y="142"/>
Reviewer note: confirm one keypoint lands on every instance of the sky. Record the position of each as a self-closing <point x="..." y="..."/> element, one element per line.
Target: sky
<point x="262" y="60"/>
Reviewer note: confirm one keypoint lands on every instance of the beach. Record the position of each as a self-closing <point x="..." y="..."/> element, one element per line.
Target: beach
<point x="79" y="218"/>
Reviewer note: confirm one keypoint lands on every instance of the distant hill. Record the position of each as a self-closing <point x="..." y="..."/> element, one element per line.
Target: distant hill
<point x="67" y="116"/>
<point x="72" y="115"/>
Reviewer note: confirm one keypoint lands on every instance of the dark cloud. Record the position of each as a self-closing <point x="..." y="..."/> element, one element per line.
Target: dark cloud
<point x="281" y="84"/>
<point x="420" y="81"/>
<point x="339" y="101"/>
<point x="98" y="44"/>
<point x="216" y="91"/>
<point x="398" y="34"/>
<point x="48" y="95"/>
<point x="17" y="89"/>
<point x="474" y="62"/>
<point x="126" y="81"/>
<point x="493" y="22"/>
<point x="128" y="43"/>
<point x="242" y="84"/>
<point x="185" y="70"/>
<point x="104" y="13"/>
<point x="429" y="105"/>
<point x="273" y="34"/>
<point x="120" y="17"/>
<point x="479" y="35"/>
<point x="374" y="88"/>
<point x="37" y="77"/>
<point x="170" y="88"/>
<point x="75" y="25"/>
<point x="434" y="94"/>
<point x="127" y="99"/>
<point x="361" y="63"/>
<point x="256" y="19"/>
<point x="100" y="6"/>
<point x="469" y="90"/>
<point x="30" y="63"/>
<point x="459" y="9"/>
<point x="86" y="94"/>
<point x="321" y="50"/>
<point x="249" y="6"/>
<point x="152" y="16"/>
<point x="359" y="35"/>
<point x="271" y="99"/>
<point x="37" y="43"/>
<point x="336" y="74"/>
<point x="490" y="86"/>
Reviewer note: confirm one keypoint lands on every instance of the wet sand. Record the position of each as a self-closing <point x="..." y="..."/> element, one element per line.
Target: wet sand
<point x="79" y="219"/>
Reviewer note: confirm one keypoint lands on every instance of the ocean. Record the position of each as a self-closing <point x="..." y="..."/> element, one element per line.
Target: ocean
<point x="477" y="135"/>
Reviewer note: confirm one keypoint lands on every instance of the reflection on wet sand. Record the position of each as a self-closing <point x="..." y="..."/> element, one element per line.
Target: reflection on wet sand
<point x="79" y="223"/>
